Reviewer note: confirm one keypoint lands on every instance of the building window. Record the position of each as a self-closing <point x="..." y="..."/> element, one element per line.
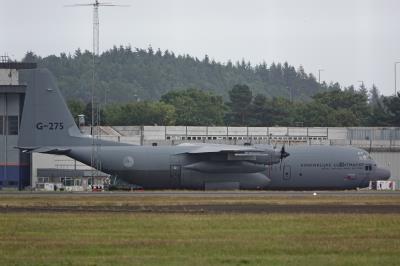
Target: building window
<point x="43" y="180"/>
<point x="68" y="181"/>
<point x="1" y="125"/>
<point x="12" y="125"/>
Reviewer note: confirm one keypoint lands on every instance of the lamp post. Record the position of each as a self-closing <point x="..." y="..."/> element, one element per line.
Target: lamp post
<point x="319" y="75"/>
<point x="395" y="77"/>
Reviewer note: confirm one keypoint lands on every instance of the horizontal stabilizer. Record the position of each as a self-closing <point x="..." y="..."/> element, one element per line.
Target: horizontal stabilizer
<point x="51" y="150"/>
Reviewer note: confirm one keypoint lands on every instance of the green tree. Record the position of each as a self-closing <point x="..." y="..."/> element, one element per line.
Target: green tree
<point x="379" y="114"/>
<point x="257" y="110"/>
<point x="195" y="107"/>
<point x="31" y="57"/>
<point x="316" y="114"/>
<point x="240" y="104"/>
<point x="148" y="74"/>
<point x="98" y="114"/>
<point x="140" y="113"/>
<point x="76" y="107"/>
<point x="392" y="105"/>
<point x="279" y="112"/>
<point x="349" y="99"/>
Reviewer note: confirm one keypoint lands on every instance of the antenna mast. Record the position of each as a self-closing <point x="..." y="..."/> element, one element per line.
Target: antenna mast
<point x="94" y="127"/>
<point x="96" y="28"/>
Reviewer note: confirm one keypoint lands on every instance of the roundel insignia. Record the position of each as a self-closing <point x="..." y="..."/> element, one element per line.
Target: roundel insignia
<point x="128" y="161"/>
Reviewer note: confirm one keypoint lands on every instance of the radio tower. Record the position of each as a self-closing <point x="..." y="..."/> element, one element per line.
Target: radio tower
<point x="96" y="6"/>
<point x="94" y="128"/>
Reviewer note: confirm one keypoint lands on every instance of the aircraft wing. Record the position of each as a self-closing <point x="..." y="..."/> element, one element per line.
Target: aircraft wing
<point x="220" y="148"/>
<point x="235" y="153"/>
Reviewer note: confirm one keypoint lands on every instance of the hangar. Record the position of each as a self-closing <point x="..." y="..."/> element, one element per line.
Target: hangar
<point x="14" y="165"/>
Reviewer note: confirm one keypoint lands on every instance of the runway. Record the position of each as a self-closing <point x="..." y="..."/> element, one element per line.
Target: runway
<point x="185" y="193"/>
<point x="216" y="209"/>
<point x="208" y="202"/>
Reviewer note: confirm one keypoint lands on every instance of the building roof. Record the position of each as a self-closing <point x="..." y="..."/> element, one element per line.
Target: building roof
<point x="17" y="65"/>
<point x="12" y="88"/>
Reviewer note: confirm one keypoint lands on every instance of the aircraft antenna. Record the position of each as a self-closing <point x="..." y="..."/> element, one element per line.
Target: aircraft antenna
<point x="95" y="112"/>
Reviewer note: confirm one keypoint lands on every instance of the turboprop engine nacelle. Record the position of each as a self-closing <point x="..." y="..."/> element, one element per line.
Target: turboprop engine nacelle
<point x="266" y="158"/>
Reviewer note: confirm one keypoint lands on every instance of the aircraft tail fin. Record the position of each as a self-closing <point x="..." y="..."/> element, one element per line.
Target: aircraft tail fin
<point x="46" y="120"/>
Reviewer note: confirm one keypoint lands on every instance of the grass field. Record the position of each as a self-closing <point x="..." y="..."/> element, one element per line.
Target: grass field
<point x="105" y="238"/>
<point x="48" y="200"/>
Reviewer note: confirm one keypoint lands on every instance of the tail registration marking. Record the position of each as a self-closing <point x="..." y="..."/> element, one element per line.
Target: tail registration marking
<point x="50" y="125"/>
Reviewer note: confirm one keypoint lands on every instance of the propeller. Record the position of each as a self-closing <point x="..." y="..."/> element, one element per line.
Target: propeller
<point x="284" y="154"/>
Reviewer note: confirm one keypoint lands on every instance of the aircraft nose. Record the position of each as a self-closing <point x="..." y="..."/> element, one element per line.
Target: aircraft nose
<point x="382" y="174"/>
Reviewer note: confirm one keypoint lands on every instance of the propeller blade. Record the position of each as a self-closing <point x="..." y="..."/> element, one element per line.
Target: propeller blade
<point x="102" y="4"/>
<point x="78" y="5"/>
<point x="97" y="4"/>
<point x="284" y="154"/>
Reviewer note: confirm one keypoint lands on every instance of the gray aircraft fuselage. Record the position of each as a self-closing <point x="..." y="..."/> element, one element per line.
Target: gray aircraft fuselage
<point x="325" y="167"/>
<point x="47" y="126"/>
<point x="307" y="167"/>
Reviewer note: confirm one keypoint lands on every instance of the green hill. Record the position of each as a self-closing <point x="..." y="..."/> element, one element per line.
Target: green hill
<point x="124" y="74"/>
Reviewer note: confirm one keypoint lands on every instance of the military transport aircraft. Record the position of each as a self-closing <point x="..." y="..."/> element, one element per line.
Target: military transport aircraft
<point x="47" y="126"/>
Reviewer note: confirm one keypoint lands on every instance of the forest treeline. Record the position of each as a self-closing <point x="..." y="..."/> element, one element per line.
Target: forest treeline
<point x="194" y="107"/>
<point x="146" y="87"/>
<point x="124" y="74"/>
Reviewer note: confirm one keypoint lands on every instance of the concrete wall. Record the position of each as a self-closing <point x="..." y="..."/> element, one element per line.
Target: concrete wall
<point x="336" y="134"/>
<point x="40" y="160"/>
<point x="389" y="160"/>
<point x="8" y="77"/>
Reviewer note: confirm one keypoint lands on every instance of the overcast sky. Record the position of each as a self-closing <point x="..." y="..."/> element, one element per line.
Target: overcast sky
<point x="350" y="40"/>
